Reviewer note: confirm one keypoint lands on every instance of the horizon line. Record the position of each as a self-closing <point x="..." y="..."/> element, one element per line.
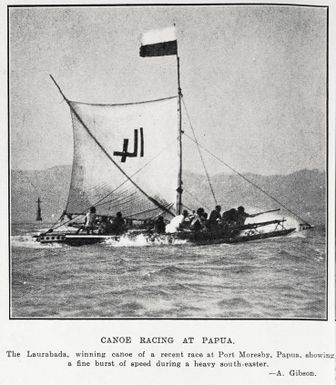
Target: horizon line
<point x="186" y="170"/>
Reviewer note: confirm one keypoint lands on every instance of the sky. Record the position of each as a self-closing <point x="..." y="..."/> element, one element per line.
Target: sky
<point x="253" y="79"/>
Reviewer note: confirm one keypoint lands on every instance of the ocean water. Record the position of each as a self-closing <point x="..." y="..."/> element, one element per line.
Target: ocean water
<point x="282" y="277"/>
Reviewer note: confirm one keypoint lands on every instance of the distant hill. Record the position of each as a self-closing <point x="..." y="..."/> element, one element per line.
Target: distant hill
<point x="302" y="191"/>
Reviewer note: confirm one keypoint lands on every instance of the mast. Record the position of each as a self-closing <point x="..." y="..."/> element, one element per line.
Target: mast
<point x="179" y="141"/>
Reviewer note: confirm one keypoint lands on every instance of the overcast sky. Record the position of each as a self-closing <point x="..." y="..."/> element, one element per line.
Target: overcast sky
<point x="253" y="79"/>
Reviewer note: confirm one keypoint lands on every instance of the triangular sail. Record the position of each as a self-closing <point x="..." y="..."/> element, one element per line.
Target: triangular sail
<point x="125" y="158"/>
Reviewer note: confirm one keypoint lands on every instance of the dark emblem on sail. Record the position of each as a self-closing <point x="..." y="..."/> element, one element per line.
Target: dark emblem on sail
<point x="125" y="154"/>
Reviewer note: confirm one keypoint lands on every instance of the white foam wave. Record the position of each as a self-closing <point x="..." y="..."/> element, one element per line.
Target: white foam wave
<point x="142" y="240"/>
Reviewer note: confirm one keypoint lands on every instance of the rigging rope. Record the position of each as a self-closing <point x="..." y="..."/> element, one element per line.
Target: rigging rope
<point x="99" y="202"/>
<point x="188" y="208"/>
<point x="249" y="181"/>
<point x="150" y="210"/>
<point x="162" y="212"/>
<point x="194" y="196"/>
<point x="200" y="153"/>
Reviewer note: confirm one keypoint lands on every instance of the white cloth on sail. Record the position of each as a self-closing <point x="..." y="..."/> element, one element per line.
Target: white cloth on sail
<point x="141" y="139"/>
<point x="175" y="224"/>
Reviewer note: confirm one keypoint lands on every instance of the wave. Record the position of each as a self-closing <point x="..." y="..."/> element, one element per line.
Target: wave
<point x="142" y="240"/>
<point x="168" y="270"/>
<point x="235" y="302"/>
<point x="297" y="234"/>
<point x="285" y="253"/>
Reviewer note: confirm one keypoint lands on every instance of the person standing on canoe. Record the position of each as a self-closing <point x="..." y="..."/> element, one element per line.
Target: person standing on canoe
<point x="90" y="220"/>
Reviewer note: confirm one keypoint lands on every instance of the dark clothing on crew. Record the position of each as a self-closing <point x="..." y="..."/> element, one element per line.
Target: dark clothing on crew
<point x="214" y="217"/>
<point x="118" y="224"/>
<point x="230" y="217"/>
<point x="197" y="223"/>
<point x="160" y="226"/>
<point x="242" y="215"/>
<point x="105" y="226"/>
<point x="241" y="218"/>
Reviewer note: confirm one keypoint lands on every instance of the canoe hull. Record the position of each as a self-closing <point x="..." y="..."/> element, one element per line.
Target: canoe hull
<point x="74" y="239"/>
<point x="202" y="240"/>
<point x="197" y="238"/>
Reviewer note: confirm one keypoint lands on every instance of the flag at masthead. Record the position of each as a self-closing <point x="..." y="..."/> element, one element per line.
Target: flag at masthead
<point x="163" y="42"/>
<point x="159" y="42"/>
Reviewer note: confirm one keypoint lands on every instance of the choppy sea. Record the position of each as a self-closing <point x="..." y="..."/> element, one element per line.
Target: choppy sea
<point x="282" y="277"/>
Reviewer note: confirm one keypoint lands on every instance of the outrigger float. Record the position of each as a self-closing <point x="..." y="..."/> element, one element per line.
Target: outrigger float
<point x="141" y="183"/>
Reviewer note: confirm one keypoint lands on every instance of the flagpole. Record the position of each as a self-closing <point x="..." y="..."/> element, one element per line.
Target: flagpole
<point x="179" y="141"/>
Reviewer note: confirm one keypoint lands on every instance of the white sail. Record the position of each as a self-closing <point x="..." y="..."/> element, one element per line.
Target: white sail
<point x="125" y="158"/>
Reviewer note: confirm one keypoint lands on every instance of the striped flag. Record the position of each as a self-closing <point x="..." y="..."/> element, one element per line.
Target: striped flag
<point x="160" y="42"/>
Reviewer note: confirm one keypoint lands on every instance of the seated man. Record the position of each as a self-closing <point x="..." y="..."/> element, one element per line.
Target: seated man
<point x="105" y="226"/>
<point x="198" y="221"/>
<point x="118" y="225"/>
<point x="159" y="225"/>
<point x="230" y="217"/>
<point x="215" y="218"/>
<point x="242" y="215"/>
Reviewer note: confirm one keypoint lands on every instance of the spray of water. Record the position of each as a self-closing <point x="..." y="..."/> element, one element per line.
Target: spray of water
<point x="142" y="240"/>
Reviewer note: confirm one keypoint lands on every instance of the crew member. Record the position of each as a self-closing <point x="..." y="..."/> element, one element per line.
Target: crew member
<point x="242" y="215"/>
<point x="198" y="222"/>
<point x="90" y="219"/>
<point x="105" y="226"/>
<point x="178" y="222"/>
<point x="159" y="225"/>
<point x="118" y="224"/>
<point x="230" y="217"/>
<point x="215" y="218"/>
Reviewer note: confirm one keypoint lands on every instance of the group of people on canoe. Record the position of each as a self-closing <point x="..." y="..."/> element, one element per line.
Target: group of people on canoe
<point x="103" y="224"/>
<point x="199" y="220"/>
<point x="196" y="221"/>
